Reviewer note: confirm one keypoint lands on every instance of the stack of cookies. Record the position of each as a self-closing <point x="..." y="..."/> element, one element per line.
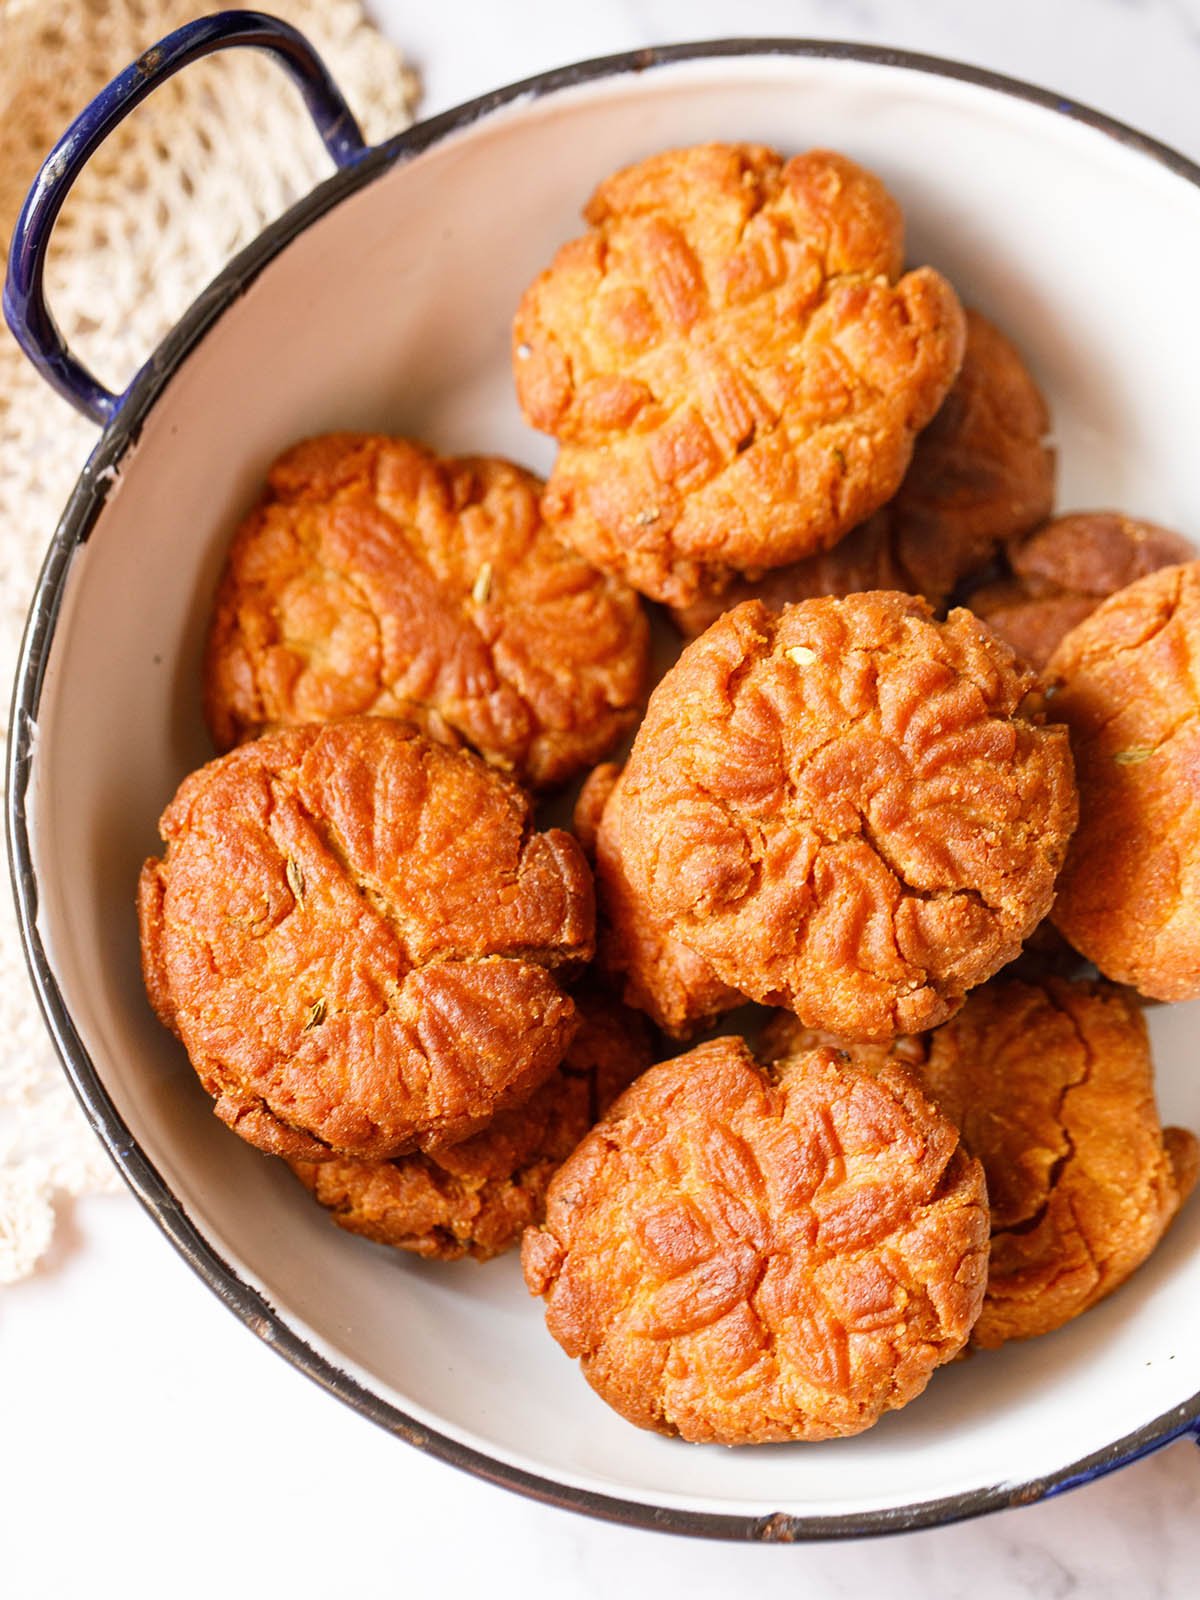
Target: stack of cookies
<point x="924" y="731"/>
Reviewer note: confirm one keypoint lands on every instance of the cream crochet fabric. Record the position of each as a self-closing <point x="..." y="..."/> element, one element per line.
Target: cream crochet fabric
<point x="192" y="176"/>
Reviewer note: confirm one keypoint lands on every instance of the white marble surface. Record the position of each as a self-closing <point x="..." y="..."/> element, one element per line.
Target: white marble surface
<point x="149" y="1446"/>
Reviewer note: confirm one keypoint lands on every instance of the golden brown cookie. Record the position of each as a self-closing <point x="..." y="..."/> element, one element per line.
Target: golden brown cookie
<point x="740" y="1257"/>
<point x="981" y="473"/>
<point x="353" y="932"/>
<point x="660" y="976"/>
<point x="1052" y="1087"/>
<point x="591" y="803"/>
<point x="376" y="577"/>
<point x="477" y="1197"/>
<point x="1128" y="687"/>
<point x="847" y="808"/>
<point x="1062" y="571"/>
<point x="1183" y="1152"/>
<point x="731" y="362"/>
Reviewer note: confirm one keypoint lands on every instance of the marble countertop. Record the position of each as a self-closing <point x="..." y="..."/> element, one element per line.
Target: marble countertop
<point x="149" y="1446"/>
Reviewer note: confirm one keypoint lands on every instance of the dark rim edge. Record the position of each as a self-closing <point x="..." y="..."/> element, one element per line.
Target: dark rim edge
<point x="79" y="517"/>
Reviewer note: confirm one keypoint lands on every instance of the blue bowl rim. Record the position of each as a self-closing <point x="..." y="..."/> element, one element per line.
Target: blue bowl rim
<point x="79" y="518"/>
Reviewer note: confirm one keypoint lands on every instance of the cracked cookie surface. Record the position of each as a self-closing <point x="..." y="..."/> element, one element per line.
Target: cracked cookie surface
<point x="660" y="976"/>
<point x="741" y="1257"/>
<point x="476" y="1198"/>
<point x="353" y="932"/>
<point x="847" y="808"/>
<point x="1127" y="684"/>
<point x="732" y="364"/>
<point x="1052" y="1087"/>
<point x="981" y="473"/>
<point x="1063" y="570"/>
<point x="378" y="578"/>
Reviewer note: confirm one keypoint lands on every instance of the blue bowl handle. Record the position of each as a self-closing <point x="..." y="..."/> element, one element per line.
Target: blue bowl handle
<point x="25" y="308"/>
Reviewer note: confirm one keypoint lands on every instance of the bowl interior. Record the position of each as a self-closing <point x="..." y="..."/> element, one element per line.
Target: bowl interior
<point x="392" y="311"/>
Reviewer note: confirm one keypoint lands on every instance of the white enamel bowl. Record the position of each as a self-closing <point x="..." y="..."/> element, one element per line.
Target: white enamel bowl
<point x="384" y="302"/>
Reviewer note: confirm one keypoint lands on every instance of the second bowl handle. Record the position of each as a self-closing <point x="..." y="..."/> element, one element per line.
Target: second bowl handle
<point x="25" y="307"/>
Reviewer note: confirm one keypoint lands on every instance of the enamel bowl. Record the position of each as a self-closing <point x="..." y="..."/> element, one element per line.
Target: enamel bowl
<point x="383" y="301"/>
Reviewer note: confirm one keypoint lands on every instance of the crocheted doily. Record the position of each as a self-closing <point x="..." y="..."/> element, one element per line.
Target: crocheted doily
<point x="193" y="175"/>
